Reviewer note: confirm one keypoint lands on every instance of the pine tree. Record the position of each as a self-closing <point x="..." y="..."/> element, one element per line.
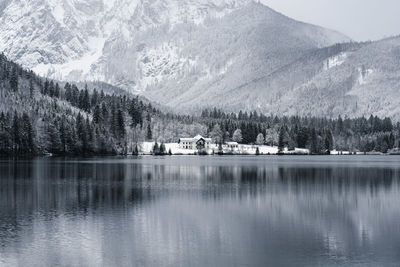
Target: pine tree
<point x="97" y="115"/>
<point x="387" y="125"/>
<point x="89" y="135"/>
<point x="113" y="120"/>
<point x="162" y="149"/>
<point x="57" y="91"/>
<point x="314" y="142"/>
<point x="68" y="92"/>
<point x="302" y="137"/>
<point x="328" y="141"/>
<point x="149" y="134"/>
<point x="220" y="149"/>
<point x="53" y="135"/>
<point x="74" y="96"/>
<point x="156" y="149"/>
<point x="63" y="135"/>
<point x="104" y="111"/>
<point x="86" y="101"/>
<point x="31" y="88"/>
<point x="281" y="144"/>
<point x="81" y="134"/>
<point x="45" y="89"/>
<point x="51" y="89"/>
<point x="291" y="144"/>
<point x="339" y="126"/>
<point x="16" y="133"/>
<point x="135" y="150"/>
<point x="81" y="99"/>
<point x="95" y="98"/>
<point x="14" y="80"/>
<point x="28" y="135"/>
<point x="135" y="113"/>
<point x="5" y="135"/>
<point x="120" y="124"/>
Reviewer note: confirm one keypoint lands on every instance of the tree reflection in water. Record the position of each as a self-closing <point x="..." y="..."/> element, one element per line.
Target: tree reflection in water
<point x="181" y="211"/>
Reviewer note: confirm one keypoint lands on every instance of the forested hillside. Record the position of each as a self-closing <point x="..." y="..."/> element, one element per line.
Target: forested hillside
<point x="38" y="116"/>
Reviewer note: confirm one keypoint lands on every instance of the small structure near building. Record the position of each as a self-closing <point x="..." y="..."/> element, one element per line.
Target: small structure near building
<point x="231" y="147"/>
<point x="199" y="143"/>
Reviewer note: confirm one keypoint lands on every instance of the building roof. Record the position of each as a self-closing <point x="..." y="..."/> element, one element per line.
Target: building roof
<point x="232" y="143"/>
<point x="194" y="139"/>
<point x="186" y="139"/>
<point x="198" y="137"/>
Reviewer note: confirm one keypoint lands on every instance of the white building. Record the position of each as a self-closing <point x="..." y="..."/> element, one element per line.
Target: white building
<point x="196" y="143"/>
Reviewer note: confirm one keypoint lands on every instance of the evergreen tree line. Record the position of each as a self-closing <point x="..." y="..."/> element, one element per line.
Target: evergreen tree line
<point x="320" y="135"/>
<point x="64" y="119"/>
<point x="39" y="116"/>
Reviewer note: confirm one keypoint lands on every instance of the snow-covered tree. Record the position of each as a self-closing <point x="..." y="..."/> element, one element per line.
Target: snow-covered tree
<point x="260" y="139"/>
<point x="237" y="136"/>
<point x="216" y="134"/>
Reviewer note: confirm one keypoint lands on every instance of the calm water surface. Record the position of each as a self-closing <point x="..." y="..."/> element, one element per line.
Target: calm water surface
<point x="201" y="211"/>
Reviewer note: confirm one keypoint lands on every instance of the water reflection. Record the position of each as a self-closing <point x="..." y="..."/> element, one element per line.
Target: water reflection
<point x="193" y="211"/>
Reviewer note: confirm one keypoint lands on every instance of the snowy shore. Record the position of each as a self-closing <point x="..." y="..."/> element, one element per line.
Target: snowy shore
<point x="146" y="148"/>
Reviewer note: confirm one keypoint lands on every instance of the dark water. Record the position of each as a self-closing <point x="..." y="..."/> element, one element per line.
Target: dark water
<point x="201" y="211"/>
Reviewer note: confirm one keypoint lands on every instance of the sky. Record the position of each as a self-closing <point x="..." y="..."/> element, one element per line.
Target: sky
<point x="360" y="20"/>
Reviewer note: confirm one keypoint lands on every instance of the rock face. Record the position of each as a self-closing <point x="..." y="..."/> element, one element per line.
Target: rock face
<point x="191" y="54"/>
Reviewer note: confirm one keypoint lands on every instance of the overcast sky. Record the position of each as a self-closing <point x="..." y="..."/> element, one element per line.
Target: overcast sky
<point x="359" y="19"/>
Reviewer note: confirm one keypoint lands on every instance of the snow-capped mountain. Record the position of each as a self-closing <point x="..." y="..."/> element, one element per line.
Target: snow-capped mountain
<point x="191" y="54"/>
<point x="64" y="38"/>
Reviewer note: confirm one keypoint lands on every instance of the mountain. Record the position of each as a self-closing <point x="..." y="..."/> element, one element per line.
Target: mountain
<point x="352" y="80"/>
<point x="192" y="54"/>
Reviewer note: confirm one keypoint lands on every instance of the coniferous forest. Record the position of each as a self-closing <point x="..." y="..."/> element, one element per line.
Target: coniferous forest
<point x="40" y="116"/>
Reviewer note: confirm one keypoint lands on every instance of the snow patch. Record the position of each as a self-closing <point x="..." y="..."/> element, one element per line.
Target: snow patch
<point x="147" y="147"/>
<point x="58" y="13"/>
<point x="176" y="12"/>
<point x="75" y="70"/>
<point x="225" y="68"/>
<point x="160" y="63"/>
<point x="335" y="61"/>
<point x="363" y="75"/>
<point x="108" y="4"/>
<point x="213" y="72"/>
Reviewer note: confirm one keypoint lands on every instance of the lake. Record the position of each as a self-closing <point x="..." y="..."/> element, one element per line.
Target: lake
<point x="201" y="211"/>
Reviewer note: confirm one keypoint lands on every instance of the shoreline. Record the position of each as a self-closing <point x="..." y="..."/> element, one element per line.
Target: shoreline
<point x="30" y="157"/>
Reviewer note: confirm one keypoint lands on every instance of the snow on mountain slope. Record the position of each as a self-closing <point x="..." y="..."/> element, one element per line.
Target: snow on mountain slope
<point x="367" y="81"/>
<point x="39" y="32"/>
<point x="252" y="41"/>
<point x="191" y="54"/>
<point x="64" y="38"/>
<point x="249" y="34"/>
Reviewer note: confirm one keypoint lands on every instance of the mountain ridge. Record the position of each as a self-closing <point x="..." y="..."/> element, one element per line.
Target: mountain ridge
<point x="190" y="55"/>
<point x="82" y="37"/>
